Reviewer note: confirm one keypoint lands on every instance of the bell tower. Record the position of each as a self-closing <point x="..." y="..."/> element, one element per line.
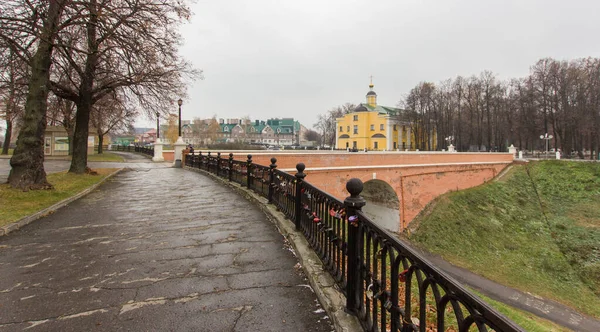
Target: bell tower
<point x="371" y="95"/>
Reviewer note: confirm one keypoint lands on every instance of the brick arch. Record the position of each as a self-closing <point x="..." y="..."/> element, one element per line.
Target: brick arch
<point x="383" y="204"/>
<point x="417" y="178"/>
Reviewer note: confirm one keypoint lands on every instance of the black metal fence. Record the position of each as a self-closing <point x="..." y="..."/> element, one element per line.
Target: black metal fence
<point x="388" y="285"/>
<point x="147" y="150"/>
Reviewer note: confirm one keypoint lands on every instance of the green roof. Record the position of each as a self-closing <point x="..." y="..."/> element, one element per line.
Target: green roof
<point x="383" y="109"/>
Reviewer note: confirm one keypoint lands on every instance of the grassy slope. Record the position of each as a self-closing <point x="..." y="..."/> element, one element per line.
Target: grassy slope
<point x="548" y="246"/>
<point x="526" y="320"/>
<point x="17" y="204"/>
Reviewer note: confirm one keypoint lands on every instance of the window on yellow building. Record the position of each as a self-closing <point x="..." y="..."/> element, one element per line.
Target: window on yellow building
<point x="341" y="129"/>
<point x="348" y="128"/>
<point x="372" y="127"/>
<point x="395" y="145"/>
<point x="375" y="145"/>
<point x="355" y="129"/>
<point x="395" y="129"/>
<point x="381" y="126"/>
<point x="356" y="118"/>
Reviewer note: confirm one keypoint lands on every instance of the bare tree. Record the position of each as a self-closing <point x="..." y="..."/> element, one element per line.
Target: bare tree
<point x="312" y="135"/>
<point x="326" y="122"/>
<point x="111" y="113"/>
<point x="18" y="21"/>
<point x="125" y="44"/>
<point x="13" y="84"/>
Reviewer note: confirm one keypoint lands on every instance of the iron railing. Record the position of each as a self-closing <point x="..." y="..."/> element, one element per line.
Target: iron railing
<point x="388" y="285"/>
<point x="147" y="150"/>
<point x="122" y="148"/>
<point x="144" y="149"/>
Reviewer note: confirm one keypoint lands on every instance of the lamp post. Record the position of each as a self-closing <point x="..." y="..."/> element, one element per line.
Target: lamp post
<point x="158" y="155"/>
<point x="449" y="139"/>
<point x="547" y="138"/>
<point x="157" y="125"/>
<point x="179" y="102"/>
<point x="179" y="144"/>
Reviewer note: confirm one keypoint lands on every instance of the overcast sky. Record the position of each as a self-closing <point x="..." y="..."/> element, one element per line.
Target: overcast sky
<point x="285" y="58"/>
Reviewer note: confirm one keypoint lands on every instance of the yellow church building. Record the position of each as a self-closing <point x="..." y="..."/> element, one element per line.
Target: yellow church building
<point x="375" y="127"/>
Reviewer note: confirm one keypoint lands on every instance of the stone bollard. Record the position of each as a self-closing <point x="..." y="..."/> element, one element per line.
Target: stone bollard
<point x="179" y="145"/>
<point x="512" y="150"/>
<point x="557" y="155"/>
<point x="520" y="154"/>
<point x="158" y="151"/>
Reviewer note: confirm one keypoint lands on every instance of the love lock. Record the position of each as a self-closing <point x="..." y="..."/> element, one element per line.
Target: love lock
<point x="353" y="220"/>
<point x="369" y="292"/>
<point x="387" y="305"/>
<point x="402" y="275"/>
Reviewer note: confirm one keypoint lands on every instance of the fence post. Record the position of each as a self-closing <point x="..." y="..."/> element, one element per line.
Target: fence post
<point x="354" y="203"/>
<point x="218" y="163"/>
<point x="208" y="162"/>
<point x="230" y="166"/>
<point x="271" y="177"/>
<point x="248" y="170"/>
<point x="199" y="159"/>
<point x="299" y="179"/>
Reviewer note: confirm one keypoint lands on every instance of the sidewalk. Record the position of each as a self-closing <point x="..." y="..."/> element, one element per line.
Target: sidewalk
<point x="155" y="249"/>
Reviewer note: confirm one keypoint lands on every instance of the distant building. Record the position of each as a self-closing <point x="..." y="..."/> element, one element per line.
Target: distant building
<point x="375" y="127"/>
<point x="274" y="131"/>
<point x="56" y="141"/>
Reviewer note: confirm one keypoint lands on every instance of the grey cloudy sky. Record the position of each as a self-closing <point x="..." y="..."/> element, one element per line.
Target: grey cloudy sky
<point x="268" y="58"/>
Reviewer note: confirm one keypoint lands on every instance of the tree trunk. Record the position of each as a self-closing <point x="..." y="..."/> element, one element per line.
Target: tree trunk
<point x="28" y="160"/>
<point x="7" y="136"/>
<point x="80" y="137"/>
<point x="84" y="105"/>
<point x="100" y="142"/>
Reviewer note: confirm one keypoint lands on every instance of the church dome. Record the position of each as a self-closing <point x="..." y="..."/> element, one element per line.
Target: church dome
<point x="360" y="108"/>
<point x="371" y="93"/>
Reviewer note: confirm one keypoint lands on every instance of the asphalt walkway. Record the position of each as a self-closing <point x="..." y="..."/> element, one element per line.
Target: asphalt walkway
<point x="154" y="249"/>
<point x="143" y="251"/>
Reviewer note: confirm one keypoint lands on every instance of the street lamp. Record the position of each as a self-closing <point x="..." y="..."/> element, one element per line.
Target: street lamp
<point x="547" y="138"/>
<point x="179" y="102"/>
<point x="449" y="139"/>
<point x="157" y="125"/>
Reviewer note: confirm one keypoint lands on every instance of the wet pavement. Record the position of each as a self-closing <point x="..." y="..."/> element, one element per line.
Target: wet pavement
<point x="154" y="248"/>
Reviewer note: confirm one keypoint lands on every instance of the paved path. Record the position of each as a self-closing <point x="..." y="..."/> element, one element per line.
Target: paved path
<point x="132" y="160"/>
<point x="154" y="248"/>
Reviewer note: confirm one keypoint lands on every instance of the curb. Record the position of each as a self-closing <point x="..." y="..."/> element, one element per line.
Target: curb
<point x="4" y="230"/>
<point x="323" y="285"/>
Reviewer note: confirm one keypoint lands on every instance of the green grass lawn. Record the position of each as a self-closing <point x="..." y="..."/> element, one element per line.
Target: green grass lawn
<point x="17" y="204"/>
<point x="537" y="230"/>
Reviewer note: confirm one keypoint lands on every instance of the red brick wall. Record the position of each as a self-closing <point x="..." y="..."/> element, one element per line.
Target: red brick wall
<point x="433" y="173"/>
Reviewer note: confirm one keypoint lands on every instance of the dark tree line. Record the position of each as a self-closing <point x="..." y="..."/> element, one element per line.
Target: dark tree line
<point x="110" y="57"/>
<point x="561" y="98"/>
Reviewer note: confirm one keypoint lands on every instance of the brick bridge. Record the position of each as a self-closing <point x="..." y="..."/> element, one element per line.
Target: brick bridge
<point x="398" y="185"/>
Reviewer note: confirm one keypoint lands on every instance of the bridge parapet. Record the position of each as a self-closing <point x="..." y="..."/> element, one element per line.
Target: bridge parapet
<point x="389" y="286"/>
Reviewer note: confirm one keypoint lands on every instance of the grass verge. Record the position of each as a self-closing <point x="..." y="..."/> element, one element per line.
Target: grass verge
<point x="17" y="204"/>
<point x="536" y="230"/>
